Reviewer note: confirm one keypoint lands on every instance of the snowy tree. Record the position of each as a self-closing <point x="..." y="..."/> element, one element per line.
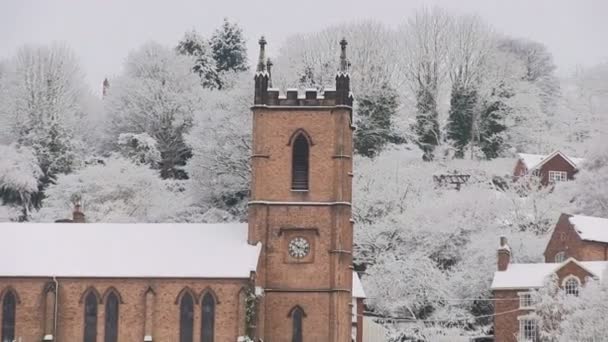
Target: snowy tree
<point x="470" y="46"/>
<point x="591" y="184"/>
<point x="139" y="148"/>
<point x="192" y="44"/>
<point x="311" y="60"/>
<point x="20" y="178"/>
<point x="587" y="318"/>
<point x="229" y="49"/>
<point x="375" y="129"/>
<point x="157" y="95"/>
<point x="221" y="147"/>
<point x="44" y="104"/>
<point x="425" y="50"/>
<point x="115" y="190"/>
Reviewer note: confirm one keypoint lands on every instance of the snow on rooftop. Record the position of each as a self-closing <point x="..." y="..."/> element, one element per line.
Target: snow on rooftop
<point x="127" y="250"/>
<point x="357" y="289"/>
<point x="523" y="276"/>
<point x="590" y="228"/>
<point x="532" y="161"/>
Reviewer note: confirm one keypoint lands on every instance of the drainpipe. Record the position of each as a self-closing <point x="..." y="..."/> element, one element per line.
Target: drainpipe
<point x="56" y="308"/>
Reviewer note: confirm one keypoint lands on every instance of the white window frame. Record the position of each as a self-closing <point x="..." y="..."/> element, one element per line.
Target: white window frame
<point x="567" y="280"/>
<point x="526" y="301"/>
<point x="560" y="257"/>
<point x="522" y="320"/>
<point x="558" y="176"/>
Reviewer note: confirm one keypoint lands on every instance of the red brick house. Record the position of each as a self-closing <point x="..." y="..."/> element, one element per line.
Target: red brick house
<point x="575" y="252"/>
<point x="555" y="167"/>
<point x="580" y="237"/>
<point x="285" y="275"/>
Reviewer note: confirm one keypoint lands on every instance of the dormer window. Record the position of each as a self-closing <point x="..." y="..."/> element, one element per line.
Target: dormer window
<point x="300" y="164"/>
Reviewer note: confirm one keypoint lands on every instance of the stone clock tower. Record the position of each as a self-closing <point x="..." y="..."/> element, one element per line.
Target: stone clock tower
<point x="300" y="208"/>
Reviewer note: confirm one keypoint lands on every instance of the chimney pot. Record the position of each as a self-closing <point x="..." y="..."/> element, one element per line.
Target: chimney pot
<point x="78" y="215"/>
<point x="503" y="254"/>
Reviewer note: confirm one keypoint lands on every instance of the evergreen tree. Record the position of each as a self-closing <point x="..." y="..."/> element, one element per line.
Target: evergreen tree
<point x="204" y="65"/>
<point x="229" y="50"/>
<point x="463" y="104"/>
<point x="427" y="123"/>
<point x="374" y="127"/>
<point x="492" y="123"/>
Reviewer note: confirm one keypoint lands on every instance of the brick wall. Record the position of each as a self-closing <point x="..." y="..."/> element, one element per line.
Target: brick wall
<point x="321" y="282"/>
<point x="506" y="326"/>
<point x="30" y="310"/>
<point x="565" y="239"/>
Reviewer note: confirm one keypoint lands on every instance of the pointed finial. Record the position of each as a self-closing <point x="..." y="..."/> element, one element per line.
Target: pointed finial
<point x="269" y="68"/>
<point x="262" y="59"/>
<point x="343" y="61"/>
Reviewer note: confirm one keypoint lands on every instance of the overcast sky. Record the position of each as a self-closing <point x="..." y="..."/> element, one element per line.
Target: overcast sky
<point x="102" y="32"/>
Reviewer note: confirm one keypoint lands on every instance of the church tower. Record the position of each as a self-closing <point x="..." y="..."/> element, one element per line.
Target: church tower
<point x="300" y="208"/>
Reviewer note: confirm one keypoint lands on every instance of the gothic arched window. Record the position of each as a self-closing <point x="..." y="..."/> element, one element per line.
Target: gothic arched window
<point x="9" y="307"/>
<point x="299" y="167"/>
<point x="186" y="318"/>
<point x="111" y="331"/>
<point x="297" y="314"/>
<point x="208" y="318"/>
<point x="90" y="317"/>
<point x="571" y="285"/>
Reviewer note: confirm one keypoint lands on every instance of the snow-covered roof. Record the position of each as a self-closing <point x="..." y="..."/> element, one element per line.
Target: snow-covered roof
<point x="532" y="161"/>
<point x="523" y="276"/>
<point x="590" y="228"/>
<point x="357" y="289"/>
<point x="167" y="250"/>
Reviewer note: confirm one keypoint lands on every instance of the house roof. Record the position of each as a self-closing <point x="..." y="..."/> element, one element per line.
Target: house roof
<point x="168" y="250"/>
<point x="525" y="276"/>
<point x="533" y="161"/>
<point x="357" y="289"/>
<point x="590" y="228"/>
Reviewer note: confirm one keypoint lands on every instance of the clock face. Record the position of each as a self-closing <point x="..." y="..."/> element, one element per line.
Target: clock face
<point x="299" y="247"/>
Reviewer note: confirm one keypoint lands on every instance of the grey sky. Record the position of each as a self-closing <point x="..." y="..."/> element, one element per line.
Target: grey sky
<point x="102" y="32"/>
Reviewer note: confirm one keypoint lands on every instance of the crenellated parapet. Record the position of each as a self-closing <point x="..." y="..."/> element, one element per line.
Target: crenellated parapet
<point x="266" y="95"/>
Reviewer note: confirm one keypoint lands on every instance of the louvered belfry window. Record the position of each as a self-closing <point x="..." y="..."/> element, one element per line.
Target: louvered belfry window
<point x="299" y="177"/>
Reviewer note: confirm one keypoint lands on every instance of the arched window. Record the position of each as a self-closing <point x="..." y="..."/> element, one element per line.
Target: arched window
<point x="299" y="167"/>
<point x="208" y="318"/>
<point x="111" y="324"/>
<point x="186" y="318"/>
<point x="9" y="306"/>
<point x="571" y="285"/>
<point x="560" y="257"/>
<point x="297" y="314"/>
<point x="90" y="317"/>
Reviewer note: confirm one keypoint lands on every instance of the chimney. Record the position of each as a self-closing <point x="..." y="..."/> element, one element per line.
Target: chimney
<point x="504" y="254"/>
<point x="78" y="215"/>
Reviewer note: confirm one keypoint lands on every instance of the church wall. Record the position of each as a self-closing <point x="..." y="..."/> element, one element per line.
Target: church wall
<point x="229" y="321"/>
